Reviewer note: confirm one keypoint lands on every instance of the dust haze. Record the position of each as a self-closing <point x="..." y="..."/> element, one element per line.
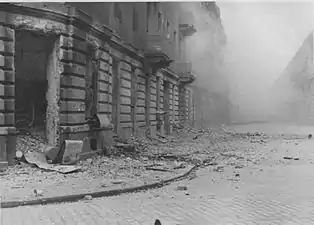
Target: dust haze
<point x="262" y="37"/>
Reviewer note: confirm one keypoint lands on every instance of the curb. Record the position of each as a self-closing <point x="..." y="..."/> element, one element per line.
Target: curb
<point x="114" y="192"/>
<point x="248" y="122"/>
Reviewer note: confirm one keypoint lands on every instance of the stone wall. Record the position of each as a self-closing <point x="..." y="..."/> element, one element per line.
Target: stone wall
<point x="69" y="70"/>
<point x="186" y="105"/>
<point x="176" y="102"/>
<point x="140" y="103"/>
<point x="129" y="95"/>
<point x="6" y="90"/>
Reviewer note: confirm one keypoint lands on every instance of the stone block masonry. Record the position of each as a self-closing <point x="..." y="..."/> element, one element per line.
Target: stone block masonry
<point x="82" y="78"/>
<point x="7" y="80"/>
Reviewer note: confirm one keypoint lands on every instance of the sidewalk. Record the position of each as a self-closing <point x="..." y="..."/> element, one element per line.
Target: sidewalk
<point x="155" y="162"/>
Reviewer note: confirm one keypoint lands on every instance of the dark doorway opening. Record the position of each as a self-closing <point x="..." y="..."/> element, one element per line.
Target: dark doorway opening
<point x="34" y="66"/>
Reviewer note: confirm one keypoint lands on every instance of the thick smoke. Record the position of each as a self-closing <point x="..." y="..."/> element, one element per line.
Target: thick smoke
<point x="262" y="37"/>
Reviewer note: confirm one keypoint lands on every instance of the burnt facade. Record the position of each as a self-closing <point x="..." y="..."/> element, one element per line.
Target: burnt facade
<point x="69" y="66"/>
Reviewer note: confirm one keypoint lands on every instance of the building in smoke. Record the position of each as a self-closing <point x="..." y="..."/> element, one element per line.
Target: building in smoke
<point x="292" y="93"/>
<point x="208" y="45"/>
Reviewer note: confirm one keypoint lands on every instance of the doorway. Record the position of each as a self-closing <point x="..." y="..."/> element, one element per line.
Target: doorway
<point x="37" y="85"/>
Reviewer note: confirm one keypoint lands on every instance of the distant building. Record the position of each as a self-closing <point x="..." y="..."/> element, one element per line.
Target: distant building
<point x="293" y="90"/>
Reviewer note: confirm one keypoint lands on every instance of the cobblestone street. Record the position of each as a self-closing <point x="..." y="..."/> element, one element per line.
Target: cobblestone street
<point x="277" y="190"/>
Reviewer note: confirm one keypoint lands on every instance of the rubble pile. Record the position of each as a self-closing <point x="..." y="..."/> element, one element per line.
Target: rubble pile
<point x="27" y="142"/>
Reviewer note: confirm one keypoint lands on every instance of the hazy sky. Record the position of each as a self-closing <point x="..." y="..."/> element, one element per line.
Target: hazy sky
<point x="262" y="38"/>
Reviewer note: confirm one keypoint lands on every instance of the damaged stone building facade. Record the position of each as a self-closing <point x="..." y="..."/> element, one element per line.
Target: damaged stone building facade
<point x="85" y="71"/>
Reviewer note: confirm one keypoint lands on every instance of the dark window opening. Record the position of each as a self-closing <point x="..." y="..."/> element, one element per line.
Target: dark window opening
<point x="135" y="20"/>
<point x="159" y="21"/>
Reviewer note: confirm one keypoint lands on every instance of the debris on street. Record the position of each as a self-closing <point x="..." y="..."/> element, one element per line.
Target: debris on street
<point x="132" y="162"/>
<point x="38" y="192"/>
<point x="218" y="169"/>
<point x="291" y="158"/>
<point x="38" y="159"/>
<point x="88" y="197"/>
<point x="182" y="188"/>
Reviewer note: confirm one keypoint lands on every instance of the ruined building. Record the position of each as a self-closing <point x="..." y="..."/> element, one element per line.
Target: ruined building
<point x="73" y="69"/>
<point x="211" y="88"/>
<point x="293" y="91"/>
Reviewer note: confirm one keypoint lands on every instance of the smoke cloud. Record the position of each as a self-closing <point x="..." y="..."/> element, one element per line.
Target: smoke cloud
<point x="262" y="37"/>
